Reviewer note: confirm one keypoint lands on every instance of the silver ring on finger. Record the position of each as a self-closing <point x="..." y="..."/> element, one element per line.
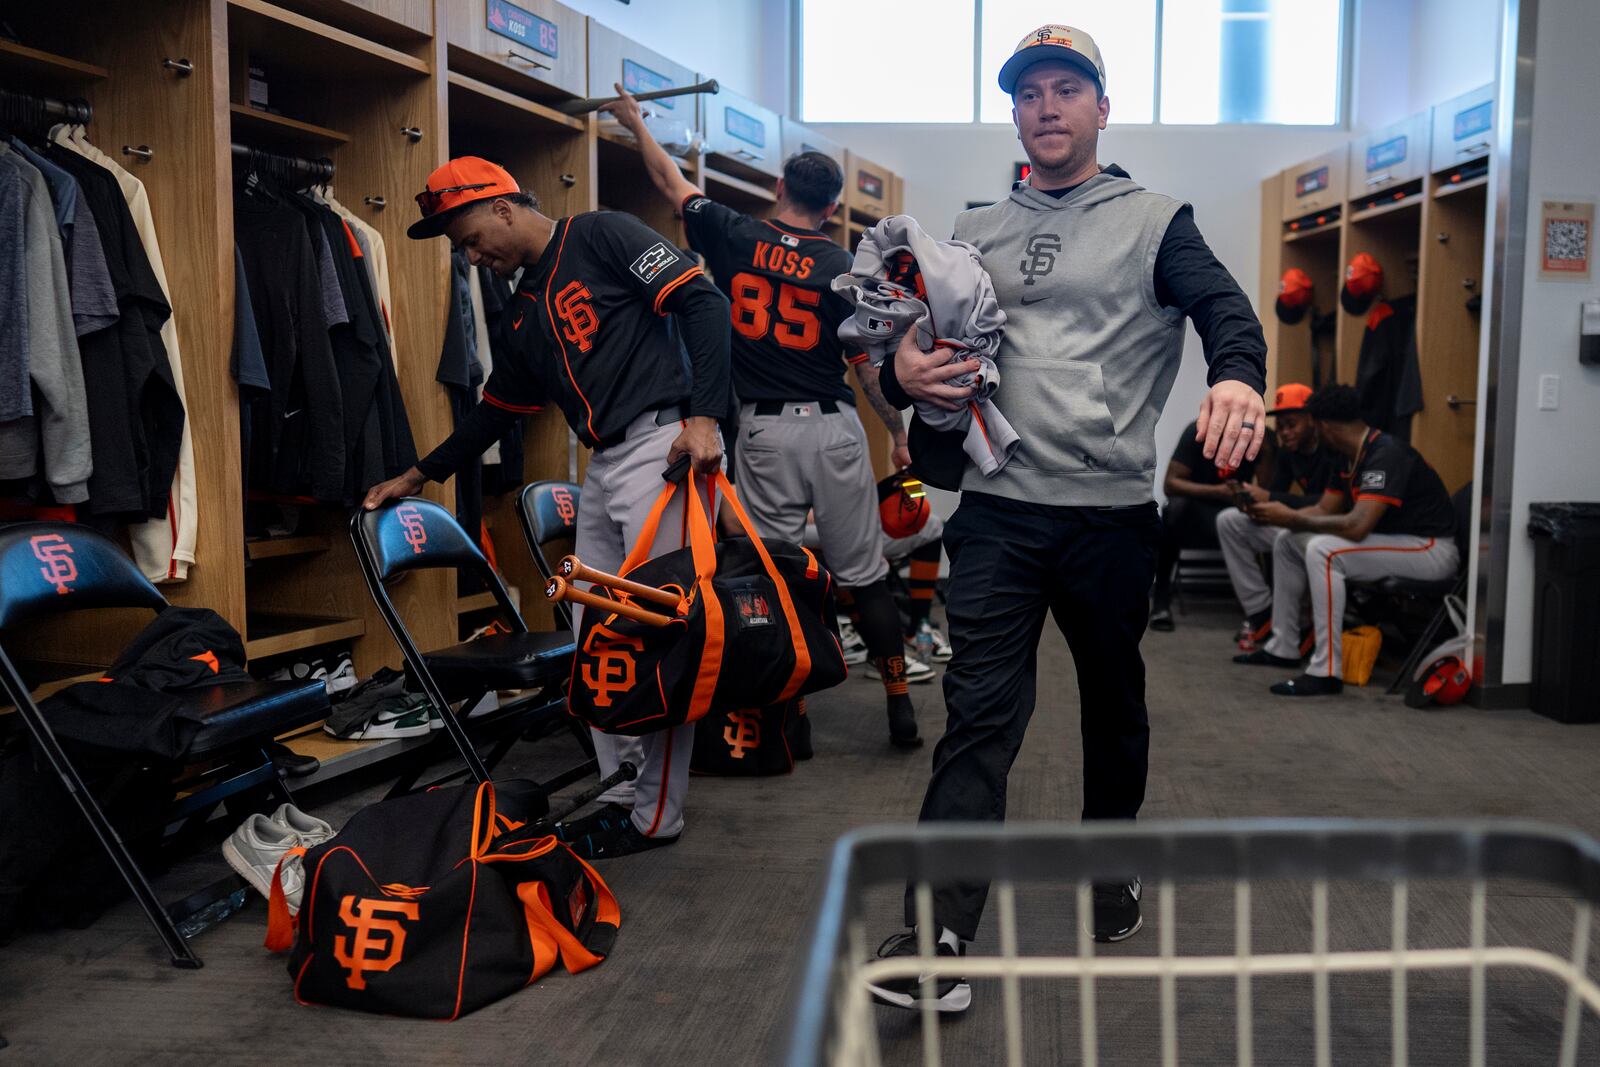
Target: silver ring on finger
<point x="1247" y="426"/>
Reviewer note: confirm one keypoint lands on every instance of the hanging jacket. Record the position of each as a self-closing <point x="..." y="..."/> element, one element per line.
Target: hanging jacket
<point x="902" y="279"/>
<point x="1388" y="376"/>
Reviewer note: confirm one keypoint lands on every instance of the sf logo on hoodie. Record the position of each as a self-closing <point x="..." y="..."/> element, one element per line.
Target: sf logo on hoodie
<point x="1041" y="249"/>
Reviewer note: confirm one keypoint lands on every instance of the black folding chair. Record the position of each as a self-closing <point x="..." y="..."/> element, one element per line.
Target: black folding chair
<point x="416" y="534"/>
<point x="549" y="513"/>
<point x="50" y="568"/>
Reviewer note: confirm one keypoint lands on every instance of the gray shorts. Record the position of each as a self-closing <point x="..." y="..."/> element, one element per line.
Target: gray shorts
<point x="804" y="461"/>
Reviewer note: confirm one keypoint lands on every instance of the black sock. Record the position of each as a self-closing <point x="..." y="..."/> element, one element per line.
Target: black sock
<point x="878" y="622"/>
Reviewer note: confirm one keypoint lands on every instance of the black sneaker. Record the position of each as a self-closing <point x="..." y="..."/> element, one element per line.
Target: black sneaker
<point x="603" y="820"/>
<point x="622" y="840"/>
<point x="949" y="994"/>
<point x="903" y="723"/>
<point x="1116" y="910"/>
<point x="1161" y="620"/>
<point x="1309" y="685"/>
<point x="1262" y="658"/>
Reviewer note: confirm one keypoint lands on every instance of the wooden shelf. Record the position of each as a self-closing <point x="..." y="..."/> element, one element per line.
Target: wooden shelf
<point x="1391" y="208"/>
<point x="1330" y="229"/>
<point x="471" y="98"/>
<point x="857" y="227"/>
<point x="301" y="46"/>
<point x="280" y="547"/>
<point x="266" y="130"/>
<point x="476" y="602"/>
<point x="1452" y="188"/>
<point x="740" y="185"/>
<point x="42" y="69"/>
<point x="276" y="634"/>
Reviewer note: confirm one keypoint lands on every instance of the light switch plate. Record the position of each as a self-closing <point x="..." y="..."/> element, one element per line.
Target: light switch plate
<point x="1549" y="392"/>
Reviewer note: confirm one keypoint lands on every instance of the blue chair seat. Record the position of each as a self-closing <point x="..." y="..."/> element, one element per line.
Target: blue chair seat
<point x="503" y="661"/>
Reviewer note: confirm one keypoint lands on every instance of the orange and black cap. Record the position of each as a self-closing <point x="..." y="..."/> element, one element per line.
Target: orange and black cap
<point x="1362" y="280"/>
<point x="1290" y="397"/>
<point x="460" y="182"/>
<point x="1294" y="295"/>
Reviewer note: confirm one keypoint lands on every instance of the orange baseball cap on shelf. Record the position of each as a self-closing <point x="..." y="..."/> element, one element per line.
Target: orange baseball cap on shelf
<point x="1054" y="42"/>
<point x="1294" y="295"/>
<point x="1362" y="280"/>
<point x="460" y="182"/>
<point x="1291" y="397"/>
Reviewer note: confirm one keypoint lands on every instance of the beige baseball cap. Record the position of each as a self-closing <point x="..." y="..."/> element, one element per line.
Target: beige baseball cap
<point x="1054" y="42"/>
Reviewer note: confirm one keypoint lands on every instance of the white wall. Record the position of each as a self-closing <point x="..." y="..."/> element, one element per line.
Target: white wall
<point x="744" y="44"/>
<point x="1453" y="49"/>
<point x="1555" y="450"/>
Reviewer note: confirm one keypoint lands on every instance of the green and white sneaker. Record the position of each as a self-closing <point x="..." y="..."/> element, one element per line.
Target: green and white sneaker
<point x="410" y="716"/>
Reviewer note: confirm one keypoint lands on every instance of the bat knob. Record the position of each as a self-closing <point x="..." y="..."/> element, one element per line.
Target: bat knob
<point x="553" y="590"/>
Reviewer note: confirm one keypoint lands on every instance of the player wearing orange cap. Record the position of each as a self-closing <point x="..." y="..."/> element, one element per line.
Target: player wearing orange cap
<point x="590" y="329"/>
<point x="1301" y="471"/>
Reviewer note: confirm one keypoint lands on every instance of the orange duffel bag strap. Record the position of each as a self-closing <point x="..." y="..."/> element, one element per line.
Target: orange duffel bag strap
<point x="281" y="924"/>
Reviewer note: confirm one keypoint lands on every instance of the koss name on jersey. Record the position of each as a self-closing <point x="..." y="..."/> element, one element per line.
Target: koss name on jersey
<point x="783" y="260"/>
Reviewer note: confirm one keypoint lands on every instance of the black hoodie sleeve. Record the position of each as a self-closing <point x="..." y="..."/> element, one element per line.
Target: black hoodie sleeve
<point x="1189" y="278"/>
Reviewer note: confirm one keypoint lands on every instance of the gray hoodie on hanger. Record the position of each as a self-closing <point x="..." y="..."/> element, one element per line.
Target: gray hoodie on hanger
<point x="956" y="309"/>
<point x="1090" y="352"/>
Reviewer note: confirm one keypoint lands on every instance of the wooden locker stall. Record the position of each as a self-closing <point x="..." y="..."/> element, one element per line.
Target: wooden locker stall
<point x="743" y="155"/>
<point x="621" y="181"/>
<point x="1453" y="222"/>
<point x="374" y="108"/>
<point x="116" y="59"/>
<point x="551" y="155"/>
<point x="1311" y="243"/>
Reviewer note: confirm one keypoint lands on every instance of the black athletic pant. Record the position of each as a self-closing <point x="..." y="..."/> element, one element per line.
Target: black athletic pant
<point x="1185" y="523"/>
<point x="1010" y="564"/>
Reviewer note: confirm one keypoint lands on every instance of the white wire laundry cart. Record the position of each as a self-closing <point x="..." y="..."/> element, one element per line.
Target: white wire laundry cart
<point x="838" y="1025"/>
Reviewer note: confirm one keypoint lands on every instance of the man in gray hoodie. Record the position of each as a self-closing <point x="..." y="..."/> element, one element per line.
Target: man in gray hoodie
<point x="1095" y="275"/>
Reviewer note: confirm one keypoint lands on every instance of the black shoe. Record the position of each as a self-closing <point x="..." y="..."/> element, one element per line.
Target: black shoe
<point x="293" y="764"/>
<point x="603" y="820"/>
<point x="1262" y="658"/>
<point x="1308" y="686"/>
<point x="1116" y="910"/>
<point x="948" y="994"/>
<point x="903" y="723"/>
<point x="1161" y="619"/>
<point x="622" y="840"/>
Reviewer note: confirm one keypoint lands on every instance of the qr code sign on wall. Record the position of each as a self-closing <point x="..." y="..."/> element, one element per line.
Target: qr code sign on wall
<point x="1568" y="231"/>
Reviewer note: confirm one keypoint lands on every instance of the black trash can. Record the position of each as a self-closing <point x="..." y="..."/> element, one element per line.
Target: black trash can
<point x="1566" y="610"/>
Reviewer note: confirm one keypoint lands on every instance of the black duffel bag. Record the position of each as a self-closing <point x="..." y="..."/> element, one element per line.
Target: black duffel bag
<point x="754" y="626"/>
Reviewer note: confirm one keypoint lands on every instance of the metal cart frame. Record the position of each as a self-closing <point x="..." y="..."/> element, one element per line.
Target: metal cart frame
<point x="834" y="1018"/>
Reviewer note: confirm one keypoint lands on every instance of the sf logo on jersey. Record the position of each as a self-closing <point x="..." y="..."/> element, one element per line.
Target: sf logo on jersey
<point x="578" y="320"/>
<point x="1041" y="249"/>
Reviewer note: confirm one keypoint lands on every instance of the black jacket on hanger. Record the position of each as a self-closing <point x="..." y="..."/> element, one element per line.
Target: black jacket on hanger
<point x="1388" y="376"/>
<point x="135" y="413"/>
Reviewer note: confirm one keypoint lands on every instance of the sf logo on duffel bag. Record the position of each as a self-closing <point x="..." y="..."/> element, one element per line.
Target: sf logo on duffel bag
<point x="378" y="943"/>
<point x="745" y="733"/>
<point x="610" y="669"/>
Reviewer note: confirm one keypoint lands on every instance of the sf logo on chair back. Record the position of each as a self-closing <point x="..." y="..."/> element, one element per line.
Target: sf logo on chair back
<point x="565" y="508"/>
<point x="378" y="943"/>
<point x="411" y="522"/>
<point x="55" y="552"/>
<point x="612" y="669"/>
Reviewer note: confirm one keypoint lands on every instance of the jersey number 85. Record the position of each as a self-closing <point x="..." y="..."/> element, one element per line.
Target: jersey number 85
<point x="797" y="328"/>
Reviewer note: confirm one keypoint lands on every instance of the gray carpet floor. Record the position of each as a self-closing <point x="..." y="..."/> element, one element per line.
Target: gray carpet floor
<point x="714" y="927"/>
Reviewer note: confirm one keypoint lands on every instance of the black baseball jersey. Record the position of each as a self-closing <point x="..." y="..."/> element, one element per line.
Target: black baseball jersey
<point x="785" y="313"/>
<point x="1299" y="478"/>
<point x="1390" y="470"/>
<point x="590" y="325"/>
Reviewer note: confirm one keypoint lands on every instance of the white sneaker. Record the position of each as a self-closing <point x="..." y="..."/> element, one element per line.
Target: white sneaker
<point x="310" y="830"/>
<point x="929" y="642"/>
<point x="342" y="678"/>
<point x="916" y="671"/>
<point x="855" y="649"/>
<point x="254" y="849"/>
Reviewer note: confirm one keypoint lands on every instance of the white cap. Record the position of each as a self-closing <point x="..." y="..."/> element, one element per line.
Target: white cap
<point x="1054" y="42"/>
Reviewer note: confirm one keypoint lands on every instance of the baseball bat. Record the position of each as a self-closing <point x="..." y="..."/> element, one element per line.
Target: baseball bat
<point x="592" y="103"/>
<point x="573" y="570"/>
<point x="558" y="589"/>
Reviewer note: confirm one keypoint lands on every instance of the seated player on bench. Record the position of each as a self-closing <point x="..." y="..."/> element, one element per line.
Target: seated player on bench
<point x="1302" y="470"/>
<point x="1386" y="513"/>
<point x="1196" y="494"/>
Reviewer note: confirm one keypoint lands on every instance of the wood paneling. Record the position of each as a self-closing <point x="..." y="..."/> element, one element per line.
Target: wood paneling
<point x="1452" y="265"/>
<point x="521" y="67"/>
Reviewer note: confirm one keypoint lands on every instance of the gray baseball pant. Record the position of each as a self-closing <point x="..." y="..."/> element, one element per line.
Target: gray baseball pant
<point x="1319" y="564"/>
<point x="619" y="489"/>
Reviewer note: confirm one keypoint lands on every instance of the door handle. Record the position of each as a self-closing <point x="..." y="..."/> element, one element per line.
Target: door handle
<point x="512" y="55"/>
